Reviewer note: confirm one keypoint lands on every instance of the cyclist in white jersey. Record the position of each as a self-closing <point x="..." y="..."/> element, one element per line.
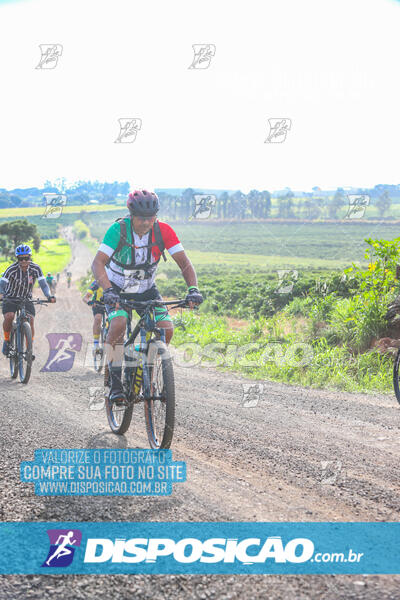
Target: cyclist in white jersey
<point x="125" y="267"/>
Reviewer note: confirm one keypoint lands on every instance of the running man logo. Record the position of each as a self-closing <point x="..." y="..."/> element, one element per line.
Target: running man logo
<point x="278" y="129"/>
<point x="287" y="279"/>
<point x="63" y="543"/>
<point x="62" y="351"/>
<point x="128" y="129"/>
<point x="203" y="54"/>
<point x="251" y="394"/>
<point x="54" y="205"/>
<point x="357" y="206"/>
<point x="50" y="55"/>
<point x="204" y="203"/>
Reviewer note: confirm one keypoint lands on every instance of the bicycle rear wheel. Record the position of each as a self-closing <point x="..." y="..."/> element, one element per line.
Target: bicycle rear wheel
<point x="25" y="352"/>
<point x="13" y="353"/>
<point x="396" y="376"/>
<point x="159" y="409"/>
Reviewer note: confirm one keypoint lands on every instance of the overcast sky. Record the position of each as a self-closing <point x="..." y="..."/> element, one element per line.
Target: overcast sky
<point x="332" y="67"/>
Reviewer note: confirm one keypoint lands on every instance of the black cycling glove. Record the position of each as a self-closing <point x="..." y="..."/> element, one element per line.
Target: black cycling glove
<point x="194" y="295"/>
<point x="110" y="297"/>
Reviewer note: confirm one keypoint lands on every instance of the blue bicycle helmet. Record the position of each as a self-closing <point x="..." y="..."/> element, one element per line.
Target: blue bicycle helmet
<point x="22" y="250"/>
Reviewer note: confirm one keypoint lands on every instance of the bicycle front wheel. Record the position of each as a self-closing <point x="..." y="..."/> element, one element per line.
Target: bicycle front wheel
<point x="25" y="352"/>
<point x="396" y="376"/>
<point x="159" y="409"/>
<point x="13" y="353"/>
<point x="119" y="414"/>
<point x="98" y="355"/>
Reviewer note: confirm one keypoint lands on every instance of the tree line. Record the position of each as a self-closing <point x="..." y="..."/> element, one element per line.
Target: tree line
<point x="259" y="205"/>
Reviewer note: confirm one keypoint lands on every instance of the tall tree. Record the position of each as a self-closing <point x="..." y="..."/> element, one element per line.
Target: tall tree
<point x="383" y="203"/>
<point x="336" y="203"/>
<point x="18" y="232"/>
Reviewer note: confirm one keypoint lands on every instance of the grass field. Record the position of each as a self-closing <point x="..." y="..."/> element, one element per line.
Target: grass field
<point x="255" y="262"/>
<point x="53" y="256"/>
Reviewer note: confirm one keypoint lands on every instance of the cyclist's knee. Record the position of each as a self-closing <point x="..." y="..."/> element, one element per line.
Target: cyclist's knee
<point x="116" y="329"/>
<point x="8" y="318"/>
<point x="168" y="326"/>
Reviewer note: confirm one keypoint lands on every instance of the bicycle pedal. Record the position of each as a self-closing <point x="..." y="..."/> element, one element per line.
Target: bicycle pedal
<point x="121" y="402"/>
<point x="33" y="357"/>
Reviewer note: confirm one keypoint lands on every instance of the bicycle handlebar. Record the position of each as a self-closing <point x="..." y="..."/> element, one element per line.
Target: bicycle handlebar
<point x="137" y="304"/>
<point x="20" y="300"/>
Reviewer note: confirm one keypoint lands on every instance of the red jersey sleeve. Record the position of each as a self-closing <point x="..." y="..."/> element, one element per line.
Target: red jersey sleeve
<point x="171" y="240"/>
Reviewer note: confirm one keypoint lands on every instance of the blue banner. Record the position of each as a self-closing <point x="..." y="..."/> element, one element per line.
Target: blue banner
<point x="204" y="548"/>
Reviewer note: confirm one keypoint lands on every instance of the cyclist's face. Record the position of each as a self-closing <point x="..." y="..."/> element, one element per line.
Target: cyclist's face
<point x="142" y="225"/>
<point x="24" y="261"/>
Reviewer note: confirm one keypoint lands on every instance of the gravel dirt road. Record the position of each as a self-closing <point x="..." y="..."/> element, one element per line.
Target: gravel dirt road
<point x="299" y="455"/>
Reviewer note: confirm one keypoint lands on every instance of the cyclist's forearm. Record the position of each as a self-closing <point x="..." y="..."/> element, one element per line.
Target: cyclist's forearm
<point x="100" y="274"/>
<point x="189" y="274"/>
<point x="3" y="285"/>
<point x="45" y="288"/>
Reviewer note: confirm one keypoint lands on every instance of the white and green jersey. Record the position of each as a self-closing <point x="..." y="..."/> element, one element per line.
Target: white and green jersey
<point x="139" y="273"/>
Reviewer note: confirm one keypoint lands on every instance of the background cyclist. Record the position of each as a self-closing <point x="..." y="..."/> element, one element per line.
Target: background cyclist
<point x="125" y="267"/>
<point x="17" y="281"/>
<point x="94" y="296"/>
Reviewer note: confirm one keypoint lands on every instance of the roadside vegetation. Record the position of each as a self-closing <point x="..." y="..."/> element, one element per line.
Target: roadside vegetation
<point x="320" y="334"/>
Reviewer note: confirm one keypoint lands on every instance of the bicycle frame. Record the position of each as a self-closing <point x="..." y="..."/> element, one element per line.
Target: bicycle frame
<point x="146" y="327"/>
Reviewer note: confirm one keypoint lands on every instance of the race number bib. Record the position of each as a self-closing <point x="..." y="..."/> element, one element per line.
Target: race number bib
<point x="132" y="280"/>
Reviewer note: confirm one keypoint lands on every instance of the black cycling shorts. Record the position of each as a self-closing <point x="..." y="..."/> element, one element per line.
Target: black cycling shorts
<point x="11" y="306"/>
<point x="98" y="310"/>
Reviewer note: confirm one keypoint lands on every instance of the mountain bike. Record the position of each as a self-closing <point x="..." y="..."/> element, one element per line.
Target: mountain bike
<point x="147" y="376"/>
<point x="20" y="348"/>
<point x="98" y="353"/>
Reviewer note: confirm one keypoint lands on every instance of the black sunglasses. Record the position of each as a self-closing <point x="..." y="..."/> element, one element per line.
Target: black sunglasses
<point x="21" y="258"/>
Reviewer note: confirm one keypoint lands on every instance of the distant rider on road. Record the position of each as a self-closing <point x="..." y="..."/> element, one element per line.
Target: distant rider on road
<point x="94" y="295"/>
